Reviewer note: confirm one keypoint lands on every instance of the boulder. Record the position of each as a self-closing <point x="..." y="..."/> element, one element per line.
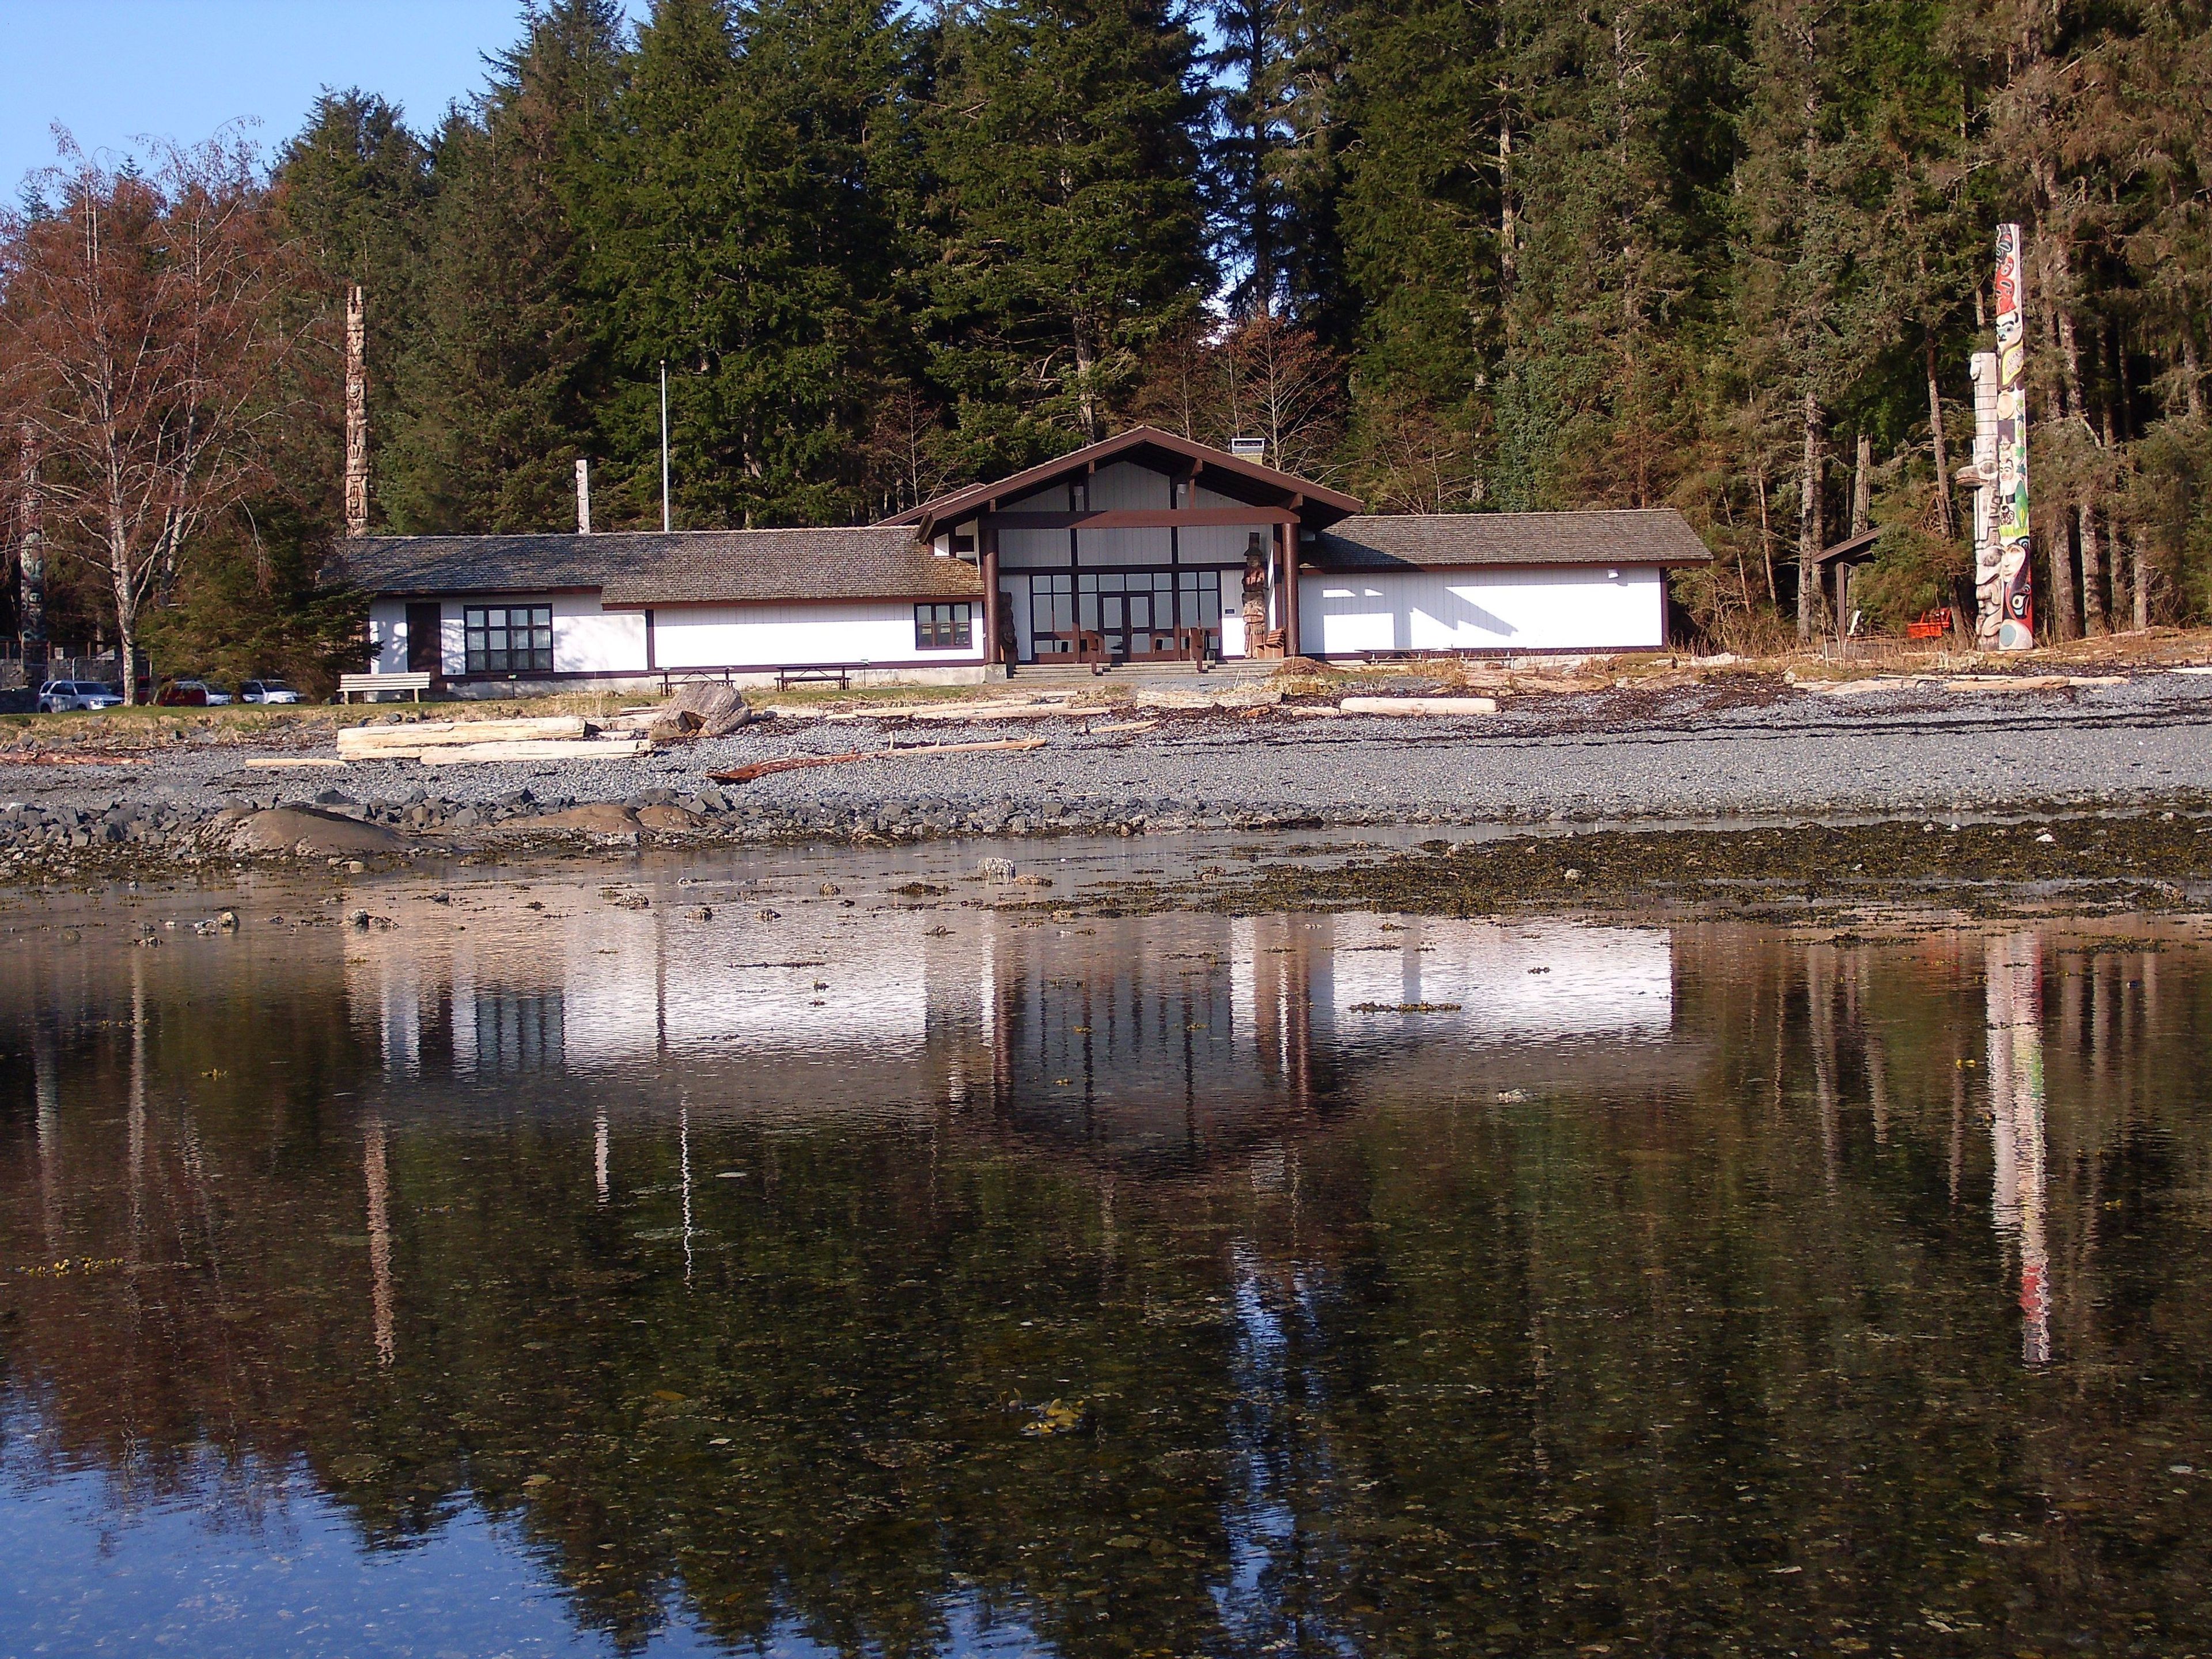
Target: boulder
<point x="701" y="710"/>
<point x="669" y="817"/>
<point x="605" y="818"/>
<point x="309" y="833"/>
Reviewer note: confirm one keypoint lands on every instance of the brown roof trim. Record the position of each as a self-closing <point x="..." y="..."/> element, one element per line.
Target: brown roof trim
<point x="958" y="503"/>
<point x="1852" y="547"/>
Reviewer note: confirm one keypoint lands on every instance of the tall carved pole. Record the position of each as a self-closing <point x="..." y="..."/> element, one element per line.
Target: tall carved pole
<point x="31" y="565"/>
<point x="2014" y="588"/>
<point x="357" y="413"/>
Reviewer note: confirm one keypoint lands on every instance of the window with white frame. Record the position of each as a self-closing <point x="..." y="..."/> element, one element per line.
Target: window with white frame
<point x="944" y="627"/>
<point x="508" y="638"/>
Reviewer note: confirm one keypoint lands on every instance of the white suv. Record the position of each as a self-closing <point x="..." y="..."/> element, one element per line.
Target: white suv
<point x="56" y="695"/>
<point x="266" y="691"/>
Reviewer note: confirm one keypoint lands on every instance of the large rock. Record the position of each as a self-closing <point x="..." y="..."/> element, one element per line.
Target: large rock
<point x="603" y="817"/>
<point x="308" y="834"/>
<point x="700" y="709"/>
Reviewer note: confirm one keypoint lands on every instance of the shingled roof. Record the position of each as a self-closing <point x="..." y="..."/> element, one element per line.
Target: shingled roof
<point x="683" y="566"/>
<point x="1383" y="541"/>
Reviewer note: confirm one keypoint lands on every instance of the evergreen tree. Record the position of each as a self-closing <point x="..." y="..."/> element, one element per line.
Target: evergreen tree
<point x="1063" y="156"/>
<point x="507" y="373"/>
<point x="748" y="245"/>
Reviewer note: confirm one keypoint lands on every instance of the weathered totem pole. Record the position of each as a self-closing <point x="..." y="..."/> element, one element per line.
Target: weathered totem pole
<point x="357" y="413"/>
<point x="2003" y="583"/>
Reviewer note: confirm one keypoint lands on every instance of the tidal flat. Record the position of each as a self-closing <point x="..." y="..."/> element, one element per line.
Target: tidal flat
<point x="1214" y="1247"/>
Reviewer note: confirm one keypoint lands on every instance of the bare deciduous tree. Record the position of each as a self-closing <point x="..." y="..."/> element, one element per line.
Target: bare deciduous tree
<point x="141" y="334"/>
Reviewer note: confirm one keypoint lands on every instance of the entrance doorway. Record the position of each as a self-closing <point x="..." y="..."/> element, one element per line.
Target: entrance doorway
<point x="1131" y="615"/>
<point x="424" y="655"/>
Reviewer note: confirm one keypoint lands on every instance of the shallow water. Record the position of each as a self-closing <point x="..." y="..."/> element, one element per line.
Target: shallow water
<point x="545" y="1273"/>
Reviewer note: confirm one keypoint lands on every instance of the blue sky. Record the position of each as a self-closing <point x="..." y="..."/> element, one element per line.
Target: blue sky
<point x="111" y="70"/>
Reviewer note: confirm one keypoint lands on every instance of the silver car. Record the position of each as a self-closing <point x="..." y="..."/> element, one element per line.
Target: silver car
<point x="267" y="691"/>
<point x="56" y="696"/>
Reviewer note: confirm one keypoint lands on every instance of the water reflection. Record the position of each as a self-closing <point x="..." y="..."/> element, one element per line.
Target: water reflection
<point x="1407" y="1285"/>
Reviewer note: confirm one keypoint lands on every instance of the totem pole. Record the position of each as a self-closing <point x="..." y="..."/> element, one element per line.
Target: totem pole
<point x="31" y="568"/>
<point x="2003" y="580"/>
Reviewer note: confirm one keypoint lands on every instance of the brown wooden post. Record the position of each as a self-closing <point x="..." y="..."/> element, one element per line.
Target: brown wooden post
<point x="987" y="542"/>
<point x="1288" y="535"/>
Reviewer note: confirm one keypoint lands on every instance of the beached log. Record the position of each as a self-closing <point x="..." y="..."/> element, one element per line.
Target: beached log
<point x="1419" y="705"/>
<point x="426" y="734"/>
<point x="916" y="751"/>
<point x="543" y="749"/>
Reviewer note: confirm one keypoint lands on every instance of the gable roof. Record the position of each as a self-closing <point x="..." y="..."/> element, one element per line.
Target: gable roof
<point x="1229" y="474"/>
<point x="683" y="567"/>
<point x="1381" y="541"/>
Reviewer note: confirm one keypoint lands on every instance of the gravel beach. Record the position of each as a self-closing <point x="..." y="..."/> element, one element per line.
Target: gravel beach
<point x="1724" y="748"/>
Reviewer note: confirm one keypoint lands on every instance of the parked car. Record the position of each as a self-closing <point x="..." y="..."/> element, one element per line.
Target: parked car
<point x="183" y="693"/>
<point x="55" y="697"/>
<point x="267" y="691"/>
<point x="217" y="697"/>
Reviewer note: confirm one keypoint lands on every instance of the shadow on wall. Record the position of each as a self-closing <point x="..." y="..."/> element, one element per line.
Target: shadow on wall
<point x="1370" y="609"/>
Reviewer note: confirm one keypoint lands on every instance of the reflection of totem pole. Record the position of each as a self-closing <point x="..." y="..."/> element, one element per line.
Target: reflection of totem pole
<point x="2002" y="578"/>
<point x="2014" y="1000"/>
<point x="31" y="567"/>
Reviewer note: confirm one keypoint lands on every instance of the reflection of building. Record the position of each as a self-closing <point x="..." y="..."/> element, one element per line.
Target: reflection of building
<point x="2014" y="992"/>
<point x="1156" y="1034"/>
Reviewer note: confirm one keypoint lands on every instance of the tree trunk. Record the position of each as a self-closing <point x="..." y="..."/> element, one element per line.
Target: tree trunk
<point x="126" y="621"/>
<point x="1861" y="485"/>
<point x="1086" y="395"/>
<point x="1810" y="525"/>
<point x="2192" y="380"/>
<point x="1946" y="507"/>
<point x="2085" y="513"/>
<point x="2065" y="615"/>
<point x="2139" y="570"/>
<point x="1509" y="253"/>
<point x="1765" y="529"/>
<point x="2093" y="571"/>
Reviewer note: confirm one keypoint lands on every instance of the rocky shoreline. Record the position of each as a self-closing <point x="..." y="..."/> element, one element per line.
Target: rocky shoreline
<point x="1689" y="754"/>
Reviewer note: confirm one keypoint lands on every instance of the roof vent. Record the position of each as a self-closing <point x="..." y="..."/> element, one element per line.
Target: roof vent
<point x="1248" y="449"/>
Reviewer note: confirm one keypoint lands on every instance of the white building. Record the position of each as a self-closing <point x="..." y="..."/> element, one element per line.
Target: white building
<point x="1143" y="548"/>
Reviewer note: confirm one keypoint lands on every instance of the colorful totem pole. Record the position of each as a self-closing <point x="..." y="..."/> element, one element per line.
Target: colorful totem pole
<point x="2003" y="581"/>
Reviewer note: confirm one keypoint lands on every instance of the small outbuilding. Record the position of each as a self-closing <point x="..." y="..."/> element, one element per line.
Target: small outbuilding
<point x="1145" y="548"/>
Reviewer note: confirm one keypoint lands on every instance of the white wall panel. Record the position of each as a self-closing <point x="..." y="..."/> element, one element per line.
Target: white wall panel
<point x="1217" y="543"/>
<point x="1032" y="550"/>
<point x="1503" y="608"/>
<point x="588" y="640"/>
<point x="1123" y="547"/>
<point x="387" y="636"/>
<point x="1125" y="486"/>
<point x="874" y="631"/>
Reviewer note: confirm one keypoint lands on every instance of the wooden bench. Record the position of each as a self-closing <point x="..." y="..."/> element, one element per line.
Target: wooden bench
<point x="787" y="678"/>
<point x="369" y="684"/>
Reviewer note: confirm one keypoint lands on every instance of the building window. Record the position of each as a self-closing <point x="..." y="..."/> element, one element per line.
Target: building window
<point x="944" y="627"/>
<point x="509" y="639"/>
